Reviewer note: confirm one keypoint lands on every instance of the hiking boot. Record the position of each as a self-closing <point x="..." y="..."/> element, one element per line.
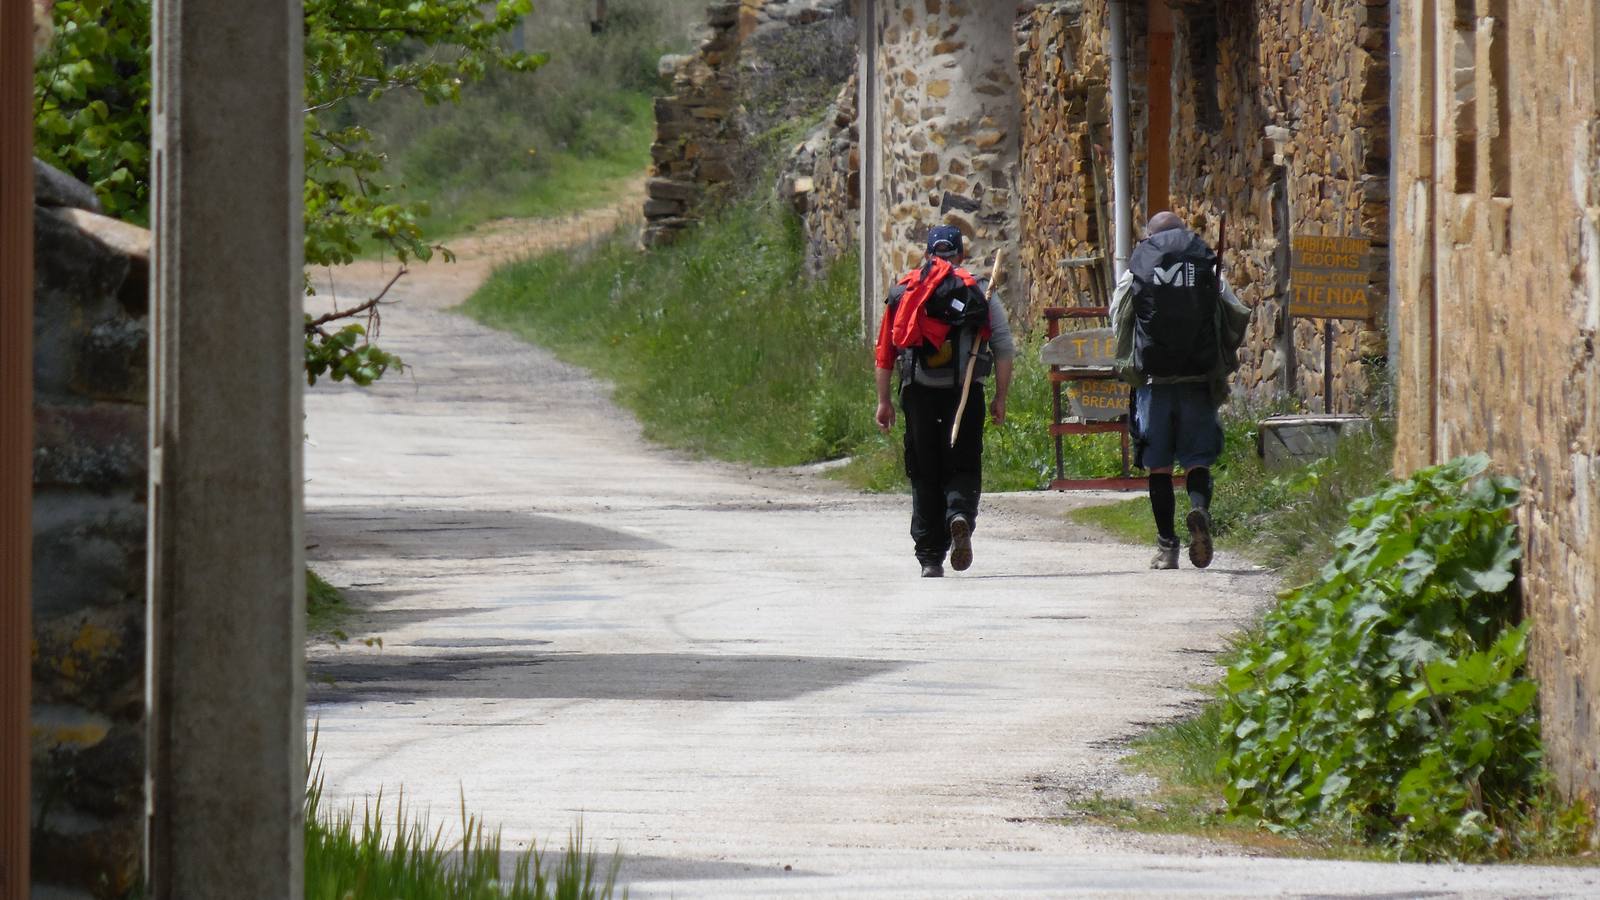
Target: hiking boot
<point x="932" y="570"/>
<point x="1166" y="554"/>
<point x="960" y="543"/>
<point x="1199" y="522"/>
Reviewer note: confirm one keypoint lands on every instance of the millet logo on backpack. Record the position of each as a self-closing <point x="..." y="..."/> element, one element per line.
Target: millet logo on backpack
<point x="1178" y="275"/>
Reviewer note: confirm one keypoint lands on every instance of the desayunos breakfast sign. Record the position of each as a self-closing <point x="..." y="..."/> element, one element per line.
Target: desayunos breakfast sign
<point x="1098" y="400"/>
<point x="1330" y="277"/>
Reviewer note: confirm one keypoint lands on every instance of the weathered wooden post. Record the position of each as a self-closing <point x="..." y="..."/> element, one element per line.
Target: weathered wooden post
<point x="16" y="433"/>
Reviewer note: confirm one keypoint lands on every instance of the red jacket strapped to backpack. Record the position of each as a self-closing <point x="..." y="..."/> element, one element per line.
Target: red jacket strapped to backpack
<point x="906" y="323"/>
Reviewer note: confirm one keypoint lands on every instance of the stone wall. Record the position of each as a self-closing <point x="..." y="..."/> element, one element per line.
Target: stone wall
<point x="1497" y="273"/>
<point x="91" y="424"/>
<point x="765" y="63"/>
<point x="946" y="98"/>
<point x="1066" y="205"/>
<point x="822" y="179"/>
<point x="1279" y="121"/>
<point x="695" y="141"/>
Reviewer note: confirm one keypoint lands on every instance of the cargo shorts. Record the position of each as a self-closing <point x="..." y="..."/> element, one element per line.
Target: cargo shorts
<point x="1176" y="423"/>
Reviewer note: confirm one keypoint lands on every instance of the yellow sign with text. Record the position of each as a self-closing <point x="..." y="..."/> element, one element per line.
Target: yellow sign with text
<point x="1330" y="277"/>
<point x="1094" y="348"/>
<point x="1098" y="399"/>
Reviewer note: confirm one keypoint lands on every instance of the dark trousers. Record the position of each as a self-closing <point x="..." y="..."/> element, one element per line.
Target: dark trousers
<point x="945" y="481"/>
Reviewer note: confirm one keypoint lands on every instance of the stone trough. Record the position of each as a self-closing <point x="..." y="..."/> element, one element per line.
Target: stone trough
<point x="1284" y="441"/>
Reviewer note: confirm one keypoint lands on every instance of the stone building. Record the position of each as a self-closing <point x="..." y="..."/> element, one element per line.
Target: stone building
<point x="1496" y="242"/>
<point x="940" y="130"/>
<point x="1270" y="113"/>
<point x="822" y="179"/>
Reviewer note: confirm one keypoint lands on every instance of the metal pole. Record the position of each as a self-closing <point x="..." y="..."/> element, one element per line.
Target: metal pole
<point x="867" y="144"/>
<point x="1120" y="138"/>
<point x="16" y="434"/>
<point x="1327" y="366"/>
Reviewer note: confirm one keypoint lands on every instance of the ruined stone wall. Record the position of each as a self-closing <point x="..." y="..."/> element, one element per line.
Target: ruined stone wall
<point x="948" y="112"/>
<point x="91" y="428"/>
<point x="1279" y="121"/>
<point x="763" y="65"/>
<point x="695" y="143"/>
<point x="823" y="181"/>
<point x="1497" y="268"/>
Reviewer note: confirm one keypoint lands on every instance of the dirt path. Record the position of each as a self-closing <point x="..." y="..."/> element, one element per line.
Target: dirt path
<point x="735" y="675"/>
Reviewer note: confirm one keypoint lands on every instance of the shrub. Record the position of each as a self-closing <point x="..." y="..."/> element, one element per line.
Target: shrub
<point x="1390" y="697"/>
<point x="569" y="137"/>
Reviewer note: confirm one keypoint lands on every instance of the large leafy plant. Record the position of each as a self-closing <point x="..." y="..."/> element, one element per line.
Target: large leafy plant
<point x="92" y="119"/>
<point x="1391" y="696"/>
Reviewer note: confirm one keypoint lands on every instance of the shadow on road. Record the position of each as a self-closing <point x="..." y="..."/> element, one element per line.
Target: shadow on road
<point x="584" y="676"/>
<point x="398" y="533"/>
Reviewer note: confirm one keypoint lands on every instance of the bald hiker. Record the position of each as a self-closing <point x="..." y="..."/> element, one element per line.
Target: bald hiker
<point x="938" y="322"/>
<point x="1179" y="328"/>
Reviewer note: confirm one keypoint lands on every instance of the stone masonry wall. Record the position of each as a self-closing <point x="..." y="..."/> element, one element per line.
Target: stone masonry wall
<point x="950" y="132"/>
<point x="90" y="416"/>
<point x="1278" y="107"/>
<point x="1497" y="268"/>
<point x="764" y="64"/>
<point x="823" y="181"/>
<point x="695" y="143"/>
<point x="1066" y="131"/>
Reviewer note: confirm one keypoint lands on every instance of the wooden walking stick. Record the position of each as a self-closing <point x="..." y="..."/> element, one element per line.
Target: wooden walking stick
<point x="972" y="358"/>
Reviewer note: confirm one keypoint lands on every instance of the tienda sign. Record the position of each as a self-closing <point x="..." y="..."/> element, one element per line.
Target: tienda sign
<point x="1094" y="348"/>
<point x="1330" y="277"/>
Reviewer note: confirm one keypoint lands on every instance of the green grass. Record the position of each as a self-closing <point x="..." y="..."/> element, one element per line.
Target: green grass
<point x="534" y="184"/>
<point x="719" y="344"/>
<point x="369" y="856"/>
<point x="326" y="608"/>
<point x="565" y="137"/>
<point x="1183" y="755"/>
<point x="1288" y="520"/>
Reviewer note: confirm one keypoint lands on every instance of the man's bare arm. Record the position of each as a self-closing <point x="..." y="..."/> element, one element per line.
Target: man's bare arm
<point x="885" y="415"/>
<point x="1002" y="387"/>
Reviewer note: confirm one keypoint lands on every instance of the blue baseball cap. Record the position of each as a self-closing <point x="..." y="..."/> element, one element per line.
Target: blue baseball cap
<point x="944" y="240"/>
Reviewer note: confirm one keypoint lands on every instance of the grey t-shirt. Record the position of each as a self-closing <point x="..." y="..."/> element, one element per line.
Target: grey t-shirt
<point x="1001" y="344"/>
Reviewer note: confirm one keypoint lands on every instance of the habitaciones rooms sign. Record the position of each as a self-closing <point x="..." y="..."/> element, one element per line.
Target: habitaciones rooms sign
<point x="1330" y="277"/>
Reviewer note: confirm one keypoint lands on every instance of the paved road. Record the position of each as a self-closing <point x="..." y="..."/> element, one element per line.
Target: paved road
<point x="735" y="676"/>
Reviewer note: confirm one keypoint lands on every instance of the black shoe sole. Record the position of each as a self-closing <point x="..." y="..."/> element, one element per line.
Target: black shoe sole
<point x="960" y="544"/>
<point x="1199" y="524"/>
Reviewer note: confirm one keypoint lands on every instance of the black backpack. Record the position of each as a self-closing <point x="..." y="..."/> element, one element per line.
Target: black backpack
<point x="1175" y="295"/>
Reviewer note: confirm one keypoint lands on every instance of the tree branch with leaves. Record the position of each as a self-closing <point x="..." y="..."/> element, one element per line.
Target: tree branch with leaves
<point x="92" y="119"/>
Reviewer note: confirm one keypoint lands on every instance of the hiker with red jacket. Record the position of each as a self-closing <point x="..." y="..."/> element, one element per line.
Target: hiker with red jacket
<point x="937" y="315"/>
